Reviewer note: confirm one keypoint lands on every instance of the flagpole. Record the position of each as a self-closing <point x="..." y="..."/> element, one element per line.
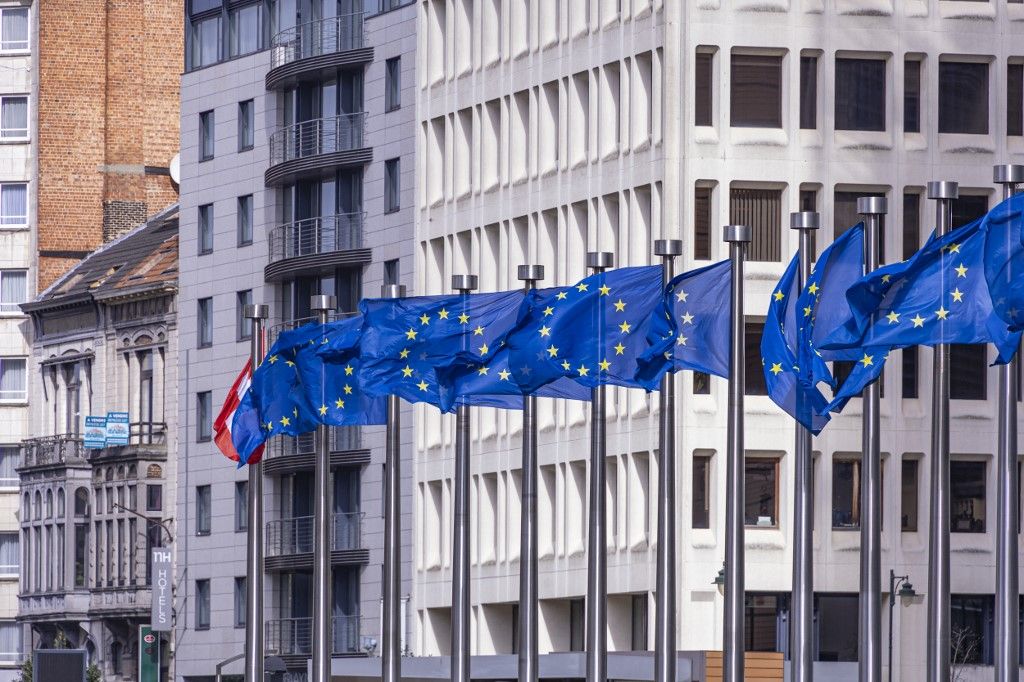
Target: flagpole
<point x="737" y="236"/>
<point x="254" y="523"/>
<point x="802" y="626"/>
<point x="460" y="551"/>
<point x="597" y="533"/>
<point x="322" y="606"/>
<point x="391" y="627"/>
<point x="665" y="582"/>
<point x="938" y="627"/>
<point x="528" y="591"/>
<point x="1007" y="625"/>
<point x="870" y="606"/>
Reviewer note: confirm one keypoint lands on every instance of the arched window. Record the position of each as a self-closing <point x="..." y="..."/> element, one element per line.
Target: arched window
<point x="49" y="504"/>
<point x="60" y="503"/>
<point x="37" y="508"/>
<point x="82" y="501"/>
<point x="116" y="651"/>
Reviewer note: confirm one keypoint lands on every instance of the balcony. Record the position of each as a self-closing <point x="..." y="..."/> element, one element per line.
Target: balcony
<point x="307" y="50"/>
<point x="52" y="451"/>
<point x="305" y="149"/>
<point x="288" y="454"/>
<point x="289" y="542"/>
<point x="122" y="601"/>
<point x="316" y="243"/>
<point x="294" y="636"/>
<point x="54" y="606"/>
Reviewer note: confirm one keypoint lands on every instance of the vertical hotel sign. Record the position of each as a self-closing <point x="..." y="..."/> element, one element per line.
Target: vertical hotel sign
<point x="160" y="608"/>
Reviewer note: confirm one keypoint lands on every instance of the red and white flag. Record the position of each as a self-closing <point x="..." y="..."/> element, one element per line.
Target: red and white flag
<point x="222" y="425"/>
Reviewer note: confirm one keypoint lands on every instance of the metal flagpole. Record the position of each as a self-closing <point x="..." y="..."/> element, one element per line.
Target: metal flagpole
<point x="801" y="645"/>
<point x="528" y="593"/>
<point x="665" y="583"/>
<point x="597" y="533"/>
<point x="938" y="628"/>
<point x="254" y="523"/>
<point x="322" y="606"/>
<point x="870" y="606"/>
<point x="391" y="628"/>
<point x="460" y="549"/>
<point x="737" y="236"/>
<point x="1007" y="625"/>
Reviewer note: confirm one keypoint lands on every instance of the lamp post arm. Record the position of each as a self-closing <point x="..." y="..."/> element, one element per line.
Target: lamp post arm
<point x="159" y="522"/>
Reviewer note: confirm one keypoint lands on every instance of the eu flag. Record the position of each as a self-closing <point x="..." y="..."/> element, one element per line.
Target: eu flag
<point x="331" y="371"/>
<point x="1004" y="260"/>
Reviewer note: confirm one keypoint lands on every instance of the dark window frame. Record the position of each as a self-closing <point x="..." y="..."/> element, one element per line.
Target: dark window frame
<point x="762" y="84"/>
<point x="204" y="229"/>
<point x="243" y="324"/>
<point x="202" y="587"/>
<point x="704" y="88"/>
<point x="246" y="125"/>
<point x="204" y="416"/>
<point x="912" y="67"/>
<point x="204" y="510"/>
<point x="700" y="505"/>
<point x="207" y="135"/>
<point x="204" y="322"/>
<point x="244" y="219"/>
<point x="952" y="115"/>
<point x="393" y="84"/>
<point x="393" y="185"/>
<point x="774" y="464"/>
<point x="241" y="506"/>
<point x="910" y="520"/>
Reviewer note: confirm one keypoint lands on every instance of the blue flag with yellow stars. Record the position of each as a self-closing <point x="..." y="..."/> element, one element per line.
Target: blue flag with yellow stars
<point x="1004" y="260"/>
<point x="591" y="333"/>
<point x="417" y="347"/>
<point x="331" y="371"/>
<point x="690" y="327"/>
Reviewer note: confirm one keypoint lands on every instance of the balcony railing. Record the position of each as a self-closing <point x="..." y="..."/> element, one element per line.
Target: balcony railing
<point x="294" y="636"/>
<point x="295" y="536"/>
<point x="342" y="439"/>
<point x="342" y="232"/>
<point x="314" y="38"/>
<point x="47" y="450"/>
<point x="147" y="433"/>
<point x="319" y="136"/>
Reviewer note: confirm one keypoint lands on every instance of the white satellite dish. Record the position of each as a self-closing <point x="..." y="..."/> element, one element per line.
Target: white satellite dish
<point x="175" y="168"/>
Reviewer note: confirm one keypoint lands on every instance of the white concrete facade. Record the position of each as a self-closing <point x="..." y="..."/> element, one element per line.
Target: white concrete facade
<point x="550" y="129"/>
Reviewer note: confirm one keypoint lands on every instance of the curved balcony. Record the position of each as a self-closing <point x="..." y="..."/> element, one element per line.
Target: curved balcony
<point x="307" y="148"/>
<point x="309" y="49"/>
<point x="53" y="450"/>
<point x="316" y="243"/>
<point x="294" y="636"/>
<point x="289" y="542"/>
<point x="289" y="454"/>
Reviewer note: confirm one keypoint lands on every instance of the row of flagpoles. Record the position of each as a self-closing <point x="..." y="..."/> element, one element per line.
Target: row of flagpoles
<point x="738" y="237"/>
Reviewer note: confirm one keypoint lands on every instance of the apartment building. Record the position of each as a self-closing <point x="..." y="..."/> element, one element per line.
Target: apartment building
<point x="549" y="129"/>
<point x="297" y="120"/>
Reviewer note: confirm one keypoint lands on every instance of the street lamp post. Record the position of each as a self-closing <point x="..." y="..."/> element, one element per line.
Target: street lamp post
<point x="901" y="583"/>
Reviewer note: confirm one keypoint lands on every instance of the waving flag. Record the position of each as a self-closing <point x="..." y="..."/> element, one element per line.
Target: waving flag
<point x="331" y="373"/>
<point x="1004" y="260"/>
<point x="222" y="425"/>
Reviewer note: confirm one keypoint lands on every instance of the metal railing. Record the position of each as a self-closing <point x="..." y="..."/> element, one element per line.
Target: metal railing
<point x="295" y="536"/>
<point x="147" y="433"/>
<point x="52" y="450"/>
<point x="323" y="234"/>
<point x="315" y="38"/>
<point x="342" y="439"/>
<point x="294" y="636"/>
<point x="318" y="136"/>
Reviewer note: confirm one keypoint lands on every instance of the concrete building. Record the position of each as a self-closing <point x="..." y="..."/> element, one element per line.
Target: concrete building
<point x="547" y="129"/>
<point x="297" y="121"/>
<point x="105" y="341"/>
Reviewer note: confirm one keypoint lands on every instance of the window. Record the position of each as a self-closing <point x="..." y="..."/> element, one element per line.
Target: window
<point x="244" y="213"/>
<point x="243" y="324"/>
<point x="908" y="496"/>
<point x="246" y="125"/>
<point x="963" y="98"/>
<point x="14" y="117"/>
<point x="14" y="34"/>
<point x="13" y="380"/>
<point x="969" y="364"/>
<point x="240" y="599"/>
<point x="206" y="136"/>
<point x="241" y="506"/>
<point x="81" y="553"/>
<point x="13" y="290"/>
<point x="1015" y="99"/>
<point x="576" y="625"/>
<point x="9" y="553"/>
<point x="13" y="205"/>
<point x="860" y="94"/>
<point x="967" y="508"/>
<point x="911" y="223"/>
<point x="10" y="642"/>
<point x="755" y="383"/>
<point x="702" y="223"/>
<point x="756" y="93"/>
<point x="204" y="324"/>
<point x="392" y="185"/>
<point x="968" y="208"/>
<point x="808" y="93"/>
<point x="910" y="357"/>
<point x="761" y="209"/>
<point x="701" y="383"/>
<point x="845" y="214"/>
<point x="971" y="628"/>
<point x="762" y="503"/>
<point x="639" y="622"/>
<point x="205" y="229"/>
<point x="846" y="492"/>
<point x="837" y="627"/>
<point x="204" y="411"/>
<point x="393" y="84"/>
<point x="764" y="620"/>
<point x="205" y="41"/>
<point x="701" y="510"/>
<point x="391" y="271"/>
<point x="911" y="95"/>
<point x="203" y="510"/>
<point x="9" y="460"/>
<point x="202" y="605"/>
<point x="244" y="30"/>
<point x="154" y="497"/>
<point x="703" y="94"/>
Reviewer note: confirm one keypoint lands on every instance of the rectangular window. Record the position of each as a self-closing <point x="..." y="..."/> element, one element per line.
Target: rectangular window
<point x="702" y="223"/>
<point x="14" y="33"/>
<point x="836" y="615"/>
<point x="81" y="553"/>
<point x="845" y="216"/>
<point x="9" y="553"/>
<point x="967" y="498"/>
<point x="639" y="622"/>
<point x="202" y="605"/>
<point x="240" y="599"/>
<point x="755" y="383"/>
<point x="204" y="411"/>
<point x="576" y="625"/>
<point x="1015" y="99"/>
<point x="13" y="290"/>
<point x="14" y="117"/>
<point x="392" y="274"/>
<point x="9" y="460"/>
<point x="911" y="224"/>
<point x="13" y="205"/>
<point x="701" y="511"/>
<point x="241" y="506"/>
<point x="703" y="93"/>
<point x="971" y="629"/>
<point x="393" y="84"/>
<point x="244" y="30"/>
<point x="244" y="213"/>
<point x="701" y="383"/>
<point x="203" y="514"/>
<point x="243" y="324"/>
<point x="13" y="380"/>
<point x="963" y="98"/>
<point x="808" y="93"/>
<point x="154" y="497"/>
<point x="205" y="41"/>
<point x="10" y="642"/>
<point x="860" y="94"/>
<point x="206" y="135"/>
<point x="246" y="125"/>
<point x="968" y="208"/>
<point x="908" y="496"/>
<point x="392" y="185"/>
<point x="910" y="358"/>
<point x="911" y="95"/>
<point x="845" y="494"/>
<point x="756" y="92"/>
<point x="761" y="477"/>
<point x="761" y="209"/>
<point x="205" y="229"/>
<point x="764" y="619"/>
<point x="204" y="322"/>
<point x="969" y="364"/>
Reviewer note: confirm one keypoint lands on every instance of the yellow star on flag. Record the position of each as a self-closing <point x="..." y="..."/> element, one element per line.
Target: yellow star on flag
<point x="605" y="290"/>
<point x="813" y="288"/>
<point x="272" y="359"/>
<point x="565" y="365"/>
<point x="954" y="248"/>
<point x="681" y="296"/>
<point x="545" y="330"/>
<point x="682" y="340"/>
<point x="504" y="374"/>
<point x="867" y="360"/>
<point x="958" y="296"/>
<point x="323" y="410"/>
<point x="339" y="403"/>
<point x="483" y="370"/>
<point x="583" y="370"/>
<point x="407" y="371"/>
<point x="484" y="349"/>
<point x="776" y="368"/>
<point x="285" y="421"/>
<point x="348" y="389"/>
<point x="893" y="317"/>
<point x="604" y="365"/>
<point x="917" y="320"/>
<point x="581" y="287"/>
<point x="404" y="353"/>
<point x="779" y="296"/>
<point x="620" y="306"/>
<point x="941" y="313"/>
<point x="561" y="295"/>
<point x="549" y="311"/>
<point x="289" y="363"/>
<point x="348" y="370"/>
<point x="422" y="385"/>
<point x="807" y="311"/>
<point x="463" y="318"/>
<point x="552" y="351"/>
<point x="624" y="327"/>
<point x="620" y="349"/>
<point x="411" y="334"/>
<point x="442" y="314"/>
<point x="886" y="278"/>
<point x="961" y="271"/>
<point x="424" y="319"/>
<point x="479" y="331"/>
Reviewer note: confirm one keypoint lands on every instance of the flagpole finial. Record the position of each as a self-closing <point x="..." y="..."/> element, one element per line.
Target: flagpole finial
<point x="256" y="311"/>
<point x="668" y="247"/>
<point x="392" y="291"/>
<point x="943" y="189"/>
<point x="600" y="259"/>
<point x="872" y="205"/>
<point x="320" y="302"/>
<point x="530" y="273"/>
<point x="465" y="283"/>
<point x="737" y="233"/>
<point x="804" y="220"/>
<point x="1008" y="174"/>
